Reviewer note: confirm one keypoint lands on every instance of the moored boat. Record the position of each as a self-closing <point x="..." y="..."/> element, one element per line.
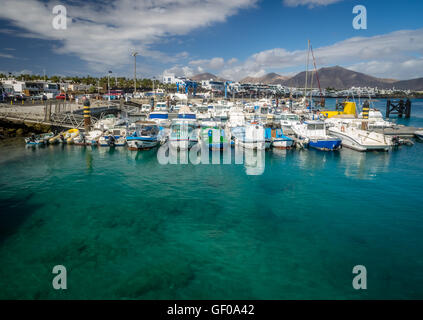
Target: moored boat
<point x="315" y="136"/>
<point x="250" y="136"/>
<point x="145" y="136"/>
<point x="360" y="140"/>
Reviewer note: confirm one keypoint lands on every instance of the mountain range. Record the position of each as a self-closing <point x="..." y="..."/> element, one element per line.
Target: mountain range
<point x="332" y="77"/>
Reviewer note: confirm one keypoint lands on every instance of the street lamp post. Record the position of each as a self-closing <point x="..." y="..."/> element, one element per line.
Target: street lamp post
<point x="108" y="83"/>
<point x="135" y="71"/>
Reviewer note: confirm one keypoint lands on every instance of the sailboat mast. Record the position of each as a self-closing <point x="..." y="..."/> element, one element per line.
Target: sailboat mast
<point x="306" y="80"/>
<point x="317" y="75"/>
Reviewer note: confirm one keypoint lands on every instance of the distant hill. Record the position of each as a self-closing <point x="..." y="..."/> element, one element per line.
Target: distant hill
<point x="206" y="76"/>
<point x="270" y="78"/>
<point x="413" y="84"/>
<point x="332" y="77"/>
<point x="340" y="78"/>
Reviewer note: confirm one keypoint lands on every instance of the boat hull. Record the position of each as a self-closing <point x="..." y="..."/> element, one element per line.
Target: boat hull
<point x="255" y="145"/>
<point x="141" y="144"/>
<point x="283" y="144"/>
<point x="352" y="143"/>
<point x="325" y="145"/>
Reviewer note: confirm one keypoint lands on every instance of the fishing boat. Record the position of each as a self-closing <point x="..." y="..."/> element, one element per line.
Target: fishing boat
<point x="115" y="137"/>
<point x="40" y="139"/>
<point x="277" y="139"/>
<point x="145" y="136"/>
<point x="214" y="136"/>
<point x="250" y="136"/>
<point x="183" y="134"/>
<point x="160" y="117"/>
<point x="360" y="140"/>
<point x="314" y="134"/>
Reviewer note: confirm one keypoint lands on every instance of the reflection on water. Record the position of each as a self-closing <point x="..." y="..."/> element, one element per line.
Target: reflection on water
<point x="364" y="165"/>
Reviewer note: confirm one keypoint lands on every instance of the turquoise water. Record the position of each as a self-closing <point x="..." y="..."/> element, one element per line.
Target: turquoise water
<point x="126" y="227"/>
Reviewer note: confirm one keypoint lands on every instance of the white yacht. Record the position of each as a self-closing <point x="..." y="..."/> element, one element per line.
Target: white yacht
<point x="360" y="140"/>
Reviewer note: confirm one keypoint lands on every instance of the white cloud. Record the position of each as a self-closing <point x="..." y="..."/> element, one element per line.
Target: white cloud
<point x="390" y="51"/>
<point x="180" y="71"/>
<point x="209" y="64"/>
<point x="309" y="3"/>
<point x="6" y="56"/>
<point x="408" y="69"/>
<point x="104" y="33"/>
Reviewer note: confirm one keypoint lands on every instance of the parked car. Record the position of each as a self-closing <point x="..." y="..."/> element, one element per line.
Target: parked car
<point x="62" y="96"/>
<point x="37" y="97"/>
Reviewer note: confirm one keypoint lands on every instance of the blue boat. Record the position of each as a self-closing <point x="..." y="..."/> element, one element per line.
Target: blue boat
<point x="276" y="139"/>
<point x="313" y="133"/>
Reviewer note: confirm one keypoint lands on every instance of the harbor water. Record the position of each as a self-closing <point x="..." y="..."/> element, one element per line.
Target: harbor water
<point x="127" y="227"/>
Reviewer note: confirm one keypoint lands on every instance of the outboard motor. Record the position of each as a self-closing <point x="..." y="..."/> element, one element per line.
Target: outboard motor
<point x="112" y="140"/>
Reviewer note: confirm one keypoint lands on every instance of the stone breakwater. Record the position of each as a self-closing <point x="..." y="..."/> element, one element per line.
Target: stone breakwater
<point x="10" y="129"/>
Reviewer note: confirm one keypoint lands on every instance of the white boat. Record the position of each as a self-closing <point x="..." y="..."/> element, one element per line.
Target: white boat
<point x="289" y="119"/>
<point x="183" y="134"/>
<point x="115" y="137"/>
<point x="236" y="117"/>
<point x="160" y="117"/>
<point x="145" y="108"/>
<point x="108" y="122"/>
<point x="419" y="134"/>
<point x="250" y="136"/>
<point x="360" y="140"/>
<point x="277" y="139"/>
<point x="186" y="113"/>
<point x="39" y="139"/>
<point x="93" y="136"/>
<point x="145" y="136"/>
<point x="314" y="135"/>
<point x="161" y="106"/>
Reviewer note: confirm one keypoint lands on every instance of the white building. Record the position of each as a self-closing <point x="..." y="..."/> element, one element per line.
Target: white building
<point x="171" y="79"/>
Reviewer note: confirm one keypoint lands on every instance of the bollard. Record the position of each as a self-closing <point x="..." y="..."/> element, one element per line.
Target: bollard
<point x="87" y="115"/>
<point x="366" y="108"/>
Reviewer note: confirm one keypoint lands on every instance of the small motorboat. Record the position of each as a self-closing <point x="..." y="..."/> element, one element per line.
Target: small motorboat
<point x="115" y="137"/>
<point x="40" y="139"/>
<point x="145" y="136"/>
<point x="313" y="133"/>
<point x="360" y="140"/>
<point x="277" y="139"/>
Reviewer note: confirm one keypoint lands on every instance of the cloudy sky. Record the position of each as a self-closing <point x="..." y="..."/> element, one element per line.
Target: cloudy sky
<point x="230" y="38"/>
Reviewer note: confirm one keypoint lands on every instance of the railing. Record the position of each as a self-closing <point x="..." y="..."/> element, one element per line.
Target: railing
<point x="59" y="119"/>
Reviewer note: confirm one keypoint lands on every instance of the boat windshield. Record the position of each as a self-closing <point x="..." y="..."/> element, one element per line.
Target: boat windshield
<point x="148" y="130"/>
<point x="290" y="117"/>
<point x="315" y="126"/>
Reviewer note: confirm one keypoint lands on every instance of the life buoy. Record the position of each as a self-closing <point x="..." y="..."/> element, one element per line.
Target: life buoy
<point x="343" y="129"/>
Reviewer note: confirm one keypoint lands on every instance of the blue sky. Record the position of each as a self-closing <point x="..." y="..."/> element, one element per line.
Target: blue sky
<point x="231" y="38"/>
